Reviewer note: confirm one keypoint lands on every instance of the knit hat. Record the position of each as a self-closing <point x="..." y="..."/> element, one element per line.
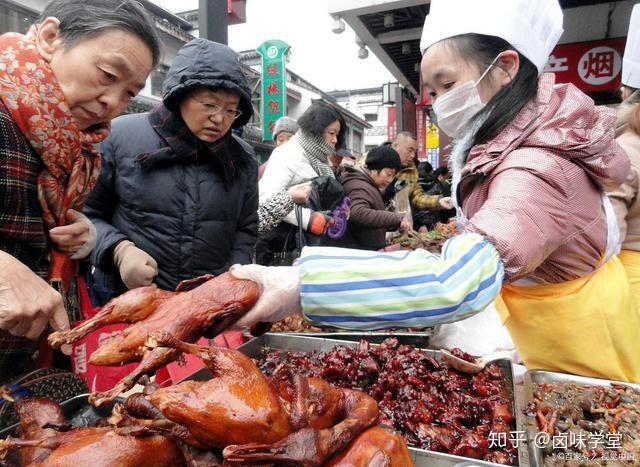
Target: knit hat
<point x="383" y="157"/>
<point x="285" y="123"/>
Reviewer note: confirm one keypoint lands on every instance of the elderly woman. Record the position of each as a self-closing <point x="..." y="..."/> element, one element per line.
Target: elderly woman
<point x="177" y="196"/>
<point x="60" y="85"/>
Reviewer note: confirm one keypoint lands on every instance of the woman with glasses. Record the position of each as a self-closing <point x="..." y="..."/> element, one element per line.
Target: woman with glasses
<point x="177" y="196"/>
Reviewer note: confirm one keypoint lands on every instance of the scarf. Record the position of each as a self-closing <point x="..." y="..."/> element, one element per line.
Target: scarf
<point x="316" y="150"/>
<point x="183" y="147"/>
<point x="36" y="103"/>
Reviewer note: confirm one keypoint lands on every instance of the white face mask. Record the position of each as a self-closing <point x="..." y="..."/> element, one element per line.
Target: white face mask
<point x="457" y="107"/>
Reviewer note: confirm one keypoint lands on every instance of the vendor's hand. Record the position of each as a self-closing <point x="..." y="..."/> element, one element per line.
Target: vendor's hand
<point x="446" y="203"/>
<point x="27" y="302"/>
<point x="406" y="224"/>
<point x="319" y="222"/>
<point x="137" y="268"/>
<point x="78" y="238"/>
<point x="300" y="193"/>
<point x="279" y="292"/>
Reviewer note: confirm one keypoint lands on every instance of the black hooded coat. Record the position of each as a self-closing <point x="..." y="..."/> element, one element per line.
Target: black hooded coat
<point x="191" y="205"/>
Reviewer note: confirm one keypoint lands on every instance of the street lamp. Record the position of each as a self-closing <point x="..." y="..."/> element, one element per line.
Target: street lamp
<point x="389" y="93"/>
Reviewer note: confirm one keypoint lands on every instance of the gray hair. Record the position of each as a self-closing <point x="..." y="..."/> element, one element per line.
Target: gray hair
<point x="80" y="19"/>
<point x="403" y="136"/>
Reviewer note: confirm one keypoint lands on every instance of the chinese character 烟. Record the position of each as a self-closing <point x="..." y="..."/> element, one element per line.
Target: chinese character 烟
<point x="599" y="65"/>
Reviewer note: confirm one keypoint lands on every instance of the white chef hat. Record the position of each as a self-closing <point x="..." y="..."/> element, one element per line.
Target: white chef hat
<point x="631" y="61"/>
<point x="532" y="27"/>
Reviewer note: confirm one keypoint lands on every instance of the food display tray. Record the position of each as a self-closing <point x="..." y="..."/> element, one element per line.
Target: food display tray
<point x="418" y="339"/>
<point x="536" y="455"/>
<point x="78" y="412"/>
<point x="296" y="343"/>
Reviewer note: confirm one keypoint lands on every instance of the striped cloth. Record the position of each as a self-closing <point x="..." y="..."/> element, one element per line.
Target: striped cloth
<point x="366" y="290"/>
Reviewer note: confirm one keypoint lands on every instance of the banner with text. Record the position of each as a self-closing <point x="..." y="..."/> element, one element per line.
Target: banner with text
<point x="591" y="66"/>
<point x="273" y="102"/>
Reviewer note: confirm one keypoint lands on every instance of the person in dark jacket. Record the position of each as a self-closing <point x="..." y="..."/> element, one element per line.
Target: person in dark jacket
<point x="177" y="196"/>
<point x="369" y="221"/>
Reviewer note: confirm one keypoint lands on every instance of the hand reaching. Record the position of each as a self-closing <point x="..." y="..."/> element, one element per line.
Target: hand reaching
<point x="279" y="293"/>
<point x="27" y="302"/>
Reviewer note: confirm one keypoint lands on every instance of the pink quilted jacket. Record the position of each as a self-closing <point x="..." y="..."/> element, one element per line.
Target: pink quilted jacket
<point x="534" y="191"/>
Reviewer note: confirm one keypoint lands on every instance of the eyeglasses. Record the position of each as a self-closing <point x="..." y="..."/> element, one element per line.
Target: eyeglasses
<point x="214" y="109"/>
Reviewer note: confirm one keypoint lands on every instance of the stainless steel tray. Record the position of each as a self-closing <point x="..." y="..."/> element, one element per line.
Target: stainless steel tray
<point x="417" y="339"/>
<point x="536" y="455"/>
<point x="296" y="343"/>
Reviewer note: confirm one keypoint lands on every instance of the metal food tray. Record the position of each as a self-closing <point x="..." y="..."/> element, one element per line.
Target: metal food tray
<point x="422" y="457"/>
<point x="417" y="339"/>
<point x="536" y="456"/>
<point x="78" y="412"/>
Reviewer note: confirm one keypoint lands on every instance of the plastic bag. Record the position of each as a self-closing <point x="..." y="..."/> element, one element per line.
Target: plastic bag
<point x="478" y="335"/>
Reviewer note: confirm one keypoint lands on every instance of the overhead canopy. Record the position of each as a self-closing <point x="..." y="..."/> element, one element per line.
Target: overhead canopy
<point x="367" y="19"/>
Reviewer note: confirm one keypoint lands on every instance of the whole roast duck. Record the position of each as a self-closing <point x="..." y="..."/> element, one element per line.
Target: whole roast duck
<point x="237" y="418"/>
<point x="46" y="440"/>
<point x="257" y="423"/>
<point x="206" y="310"/>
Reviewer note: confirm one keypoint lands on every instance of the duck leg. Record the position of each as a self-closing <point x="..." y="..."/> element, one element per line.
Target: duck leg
<point x="130" y="307"/>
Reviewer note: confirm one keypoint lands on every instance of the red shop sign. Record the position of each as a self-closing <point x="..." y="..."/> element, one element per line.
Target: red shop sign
<point x="591" y="66"/>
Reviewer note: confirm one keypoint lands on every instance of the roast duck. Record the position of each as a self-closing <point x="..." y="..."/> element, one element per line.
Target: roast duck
<point x="238" y="414"/>
<point x="206" y="310"/>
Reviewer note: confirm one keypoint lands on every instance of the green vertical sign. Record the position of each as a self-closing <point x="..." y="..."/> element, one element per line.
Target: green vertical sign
<point x="273" y="102"/>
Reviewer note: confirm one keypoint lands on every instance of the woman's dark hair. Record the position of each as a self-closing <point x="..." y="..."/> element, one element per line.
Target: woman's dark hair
<point x="80" y="19"/>
<point x="318" y="117"/>
<point x="441" y="171"/>
<point x="512" y="98"/>
<point x="425" y="168"/>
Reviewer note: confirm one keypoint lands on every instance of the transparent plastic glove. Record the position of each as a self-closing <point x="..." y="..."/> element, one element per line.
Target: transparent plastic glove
<point x="279" y="292"/>
<point x="137" y="268"/>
